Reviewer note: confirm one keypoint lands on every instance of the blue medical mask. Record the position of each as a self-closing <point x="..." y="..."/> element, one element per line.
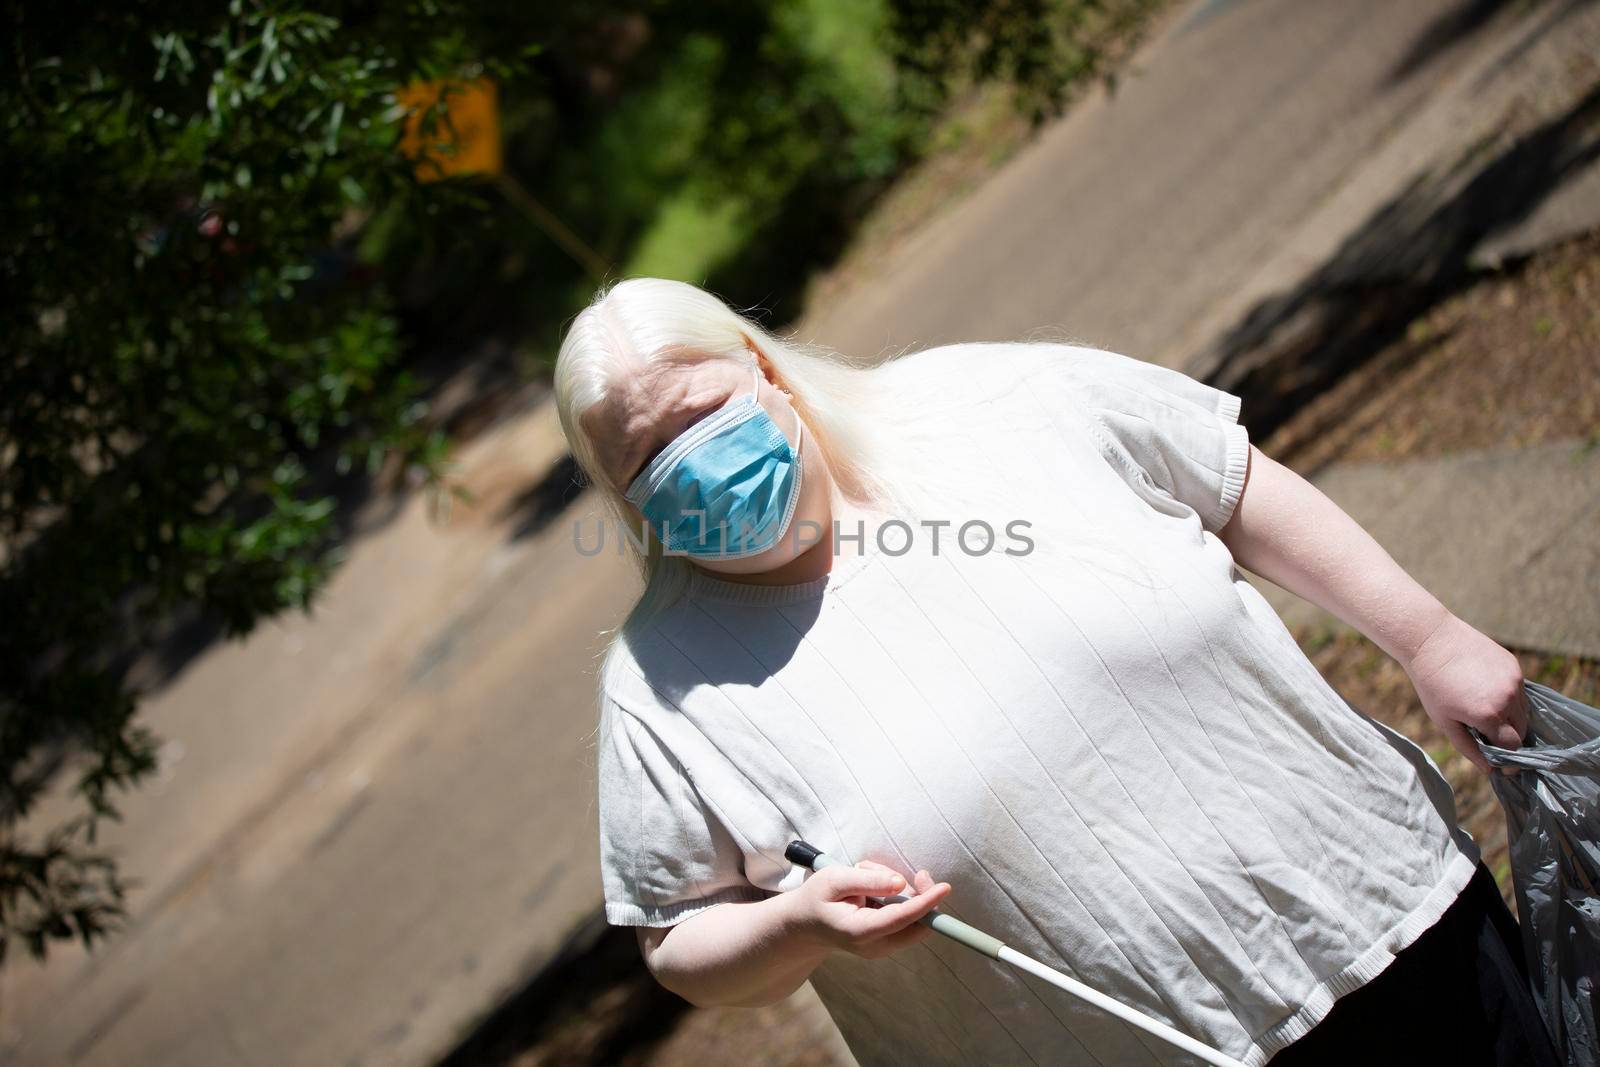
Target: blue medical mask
<point x="726" y="487"/>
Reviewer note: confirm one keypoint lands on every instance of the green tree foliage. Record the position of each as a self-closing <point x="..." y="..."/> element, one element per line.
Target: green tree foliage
<point x="1042" y="47"/>
<point x="215" y="268"/>
<point x="174" y="364"/>
<point x="747" y="138"/>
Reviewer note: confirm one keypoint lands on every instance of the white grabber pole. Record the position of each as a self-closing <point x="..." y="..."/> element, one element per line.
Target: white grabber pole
<point x="812" y="858"/>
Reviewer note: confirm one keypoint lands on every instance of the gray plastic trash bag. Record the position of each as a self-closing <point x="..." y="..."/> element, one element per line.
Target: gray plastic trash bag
<point x="1553" y="828"/>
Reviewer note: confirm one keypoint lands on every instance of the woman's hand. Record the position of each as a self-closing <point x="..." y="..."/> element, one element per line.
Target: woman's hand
<point x="1465" y="679"/>
<point x="830" y="909"/>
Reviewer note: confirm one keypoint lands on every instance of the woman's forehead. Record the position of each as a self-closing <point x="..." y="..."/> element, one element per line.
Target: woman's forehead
<point x="652" y="389"/>
<point x="639" y="402"/>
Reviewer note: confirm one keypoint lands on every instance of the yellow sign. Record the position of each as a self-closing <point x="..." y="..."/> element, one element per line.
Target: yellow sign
<point x="464" y="134"/>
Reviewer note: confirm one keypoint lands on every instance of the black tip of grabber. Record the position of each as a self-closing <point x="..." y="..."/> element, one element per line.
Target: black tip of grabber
<point x="802" y="854"/>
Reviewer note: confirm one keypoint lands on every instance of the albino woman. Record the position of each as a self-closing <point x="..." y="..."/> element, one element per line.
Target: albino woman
<point x="977" y="611"/>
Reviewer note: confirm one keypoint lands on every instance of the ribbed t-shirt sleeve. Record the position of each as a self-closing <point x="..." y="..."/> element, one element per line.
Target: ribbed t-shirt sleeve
<point x="1161" y="424"/>
<point x="664" y="854"/>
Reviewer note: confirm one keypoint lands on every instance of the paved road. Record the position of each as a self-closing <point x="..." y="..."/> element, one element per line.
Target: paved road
<point x="373" y="822"/>
<point x="1252" y="139"/>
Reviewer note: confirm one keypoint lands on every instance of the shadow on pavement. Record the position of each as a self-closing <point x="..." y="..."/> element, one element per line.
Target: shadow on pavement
<point x="1530" y="37"/>
<point x="593" y="1003"/>
<point x="1410" y="255"/>
<point x="1449" y="29"/>
<point x="537" y="506"/>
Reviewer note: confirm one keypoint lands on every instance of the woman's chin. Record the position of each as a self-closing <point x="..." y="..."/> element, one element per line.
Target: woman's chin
<point x="791" y="561"/>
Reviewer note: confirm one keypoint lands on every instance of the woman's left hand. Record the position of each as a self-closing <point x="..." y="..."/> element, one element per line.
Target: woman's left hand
<point x="1465" y="679"/>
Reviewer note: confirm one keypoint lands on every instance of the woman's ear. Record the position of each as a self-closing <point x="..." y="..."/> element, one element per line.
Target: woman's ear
<point x="761" y="357"/>
<point x="768" y="371"/>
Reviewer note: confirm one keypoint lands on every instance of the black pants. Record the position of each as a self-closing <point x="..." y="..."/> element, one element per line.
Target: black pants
<point x="1458" y="995"/>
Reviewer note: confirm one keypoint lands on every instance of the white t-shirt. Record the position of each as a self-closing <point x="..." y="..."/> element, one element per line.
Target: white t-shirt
<point x="1124" y="765"/>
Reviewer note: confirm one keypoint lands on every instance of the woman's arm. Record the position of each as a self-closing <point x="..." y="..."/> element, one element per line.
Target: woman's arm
<point x="743" y="954"/>
<point x="1289" y="532"/>
<point x="751" y="953"/>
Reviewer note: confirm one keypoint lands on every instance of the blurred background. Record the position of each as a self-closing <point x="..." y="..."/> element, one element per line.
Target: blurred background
<point x="297" y="653"/>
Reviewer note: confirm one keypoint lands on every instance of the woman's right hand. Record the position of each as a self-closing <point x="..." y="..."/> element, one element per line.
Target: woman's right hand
<point x="830" y="909"/>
